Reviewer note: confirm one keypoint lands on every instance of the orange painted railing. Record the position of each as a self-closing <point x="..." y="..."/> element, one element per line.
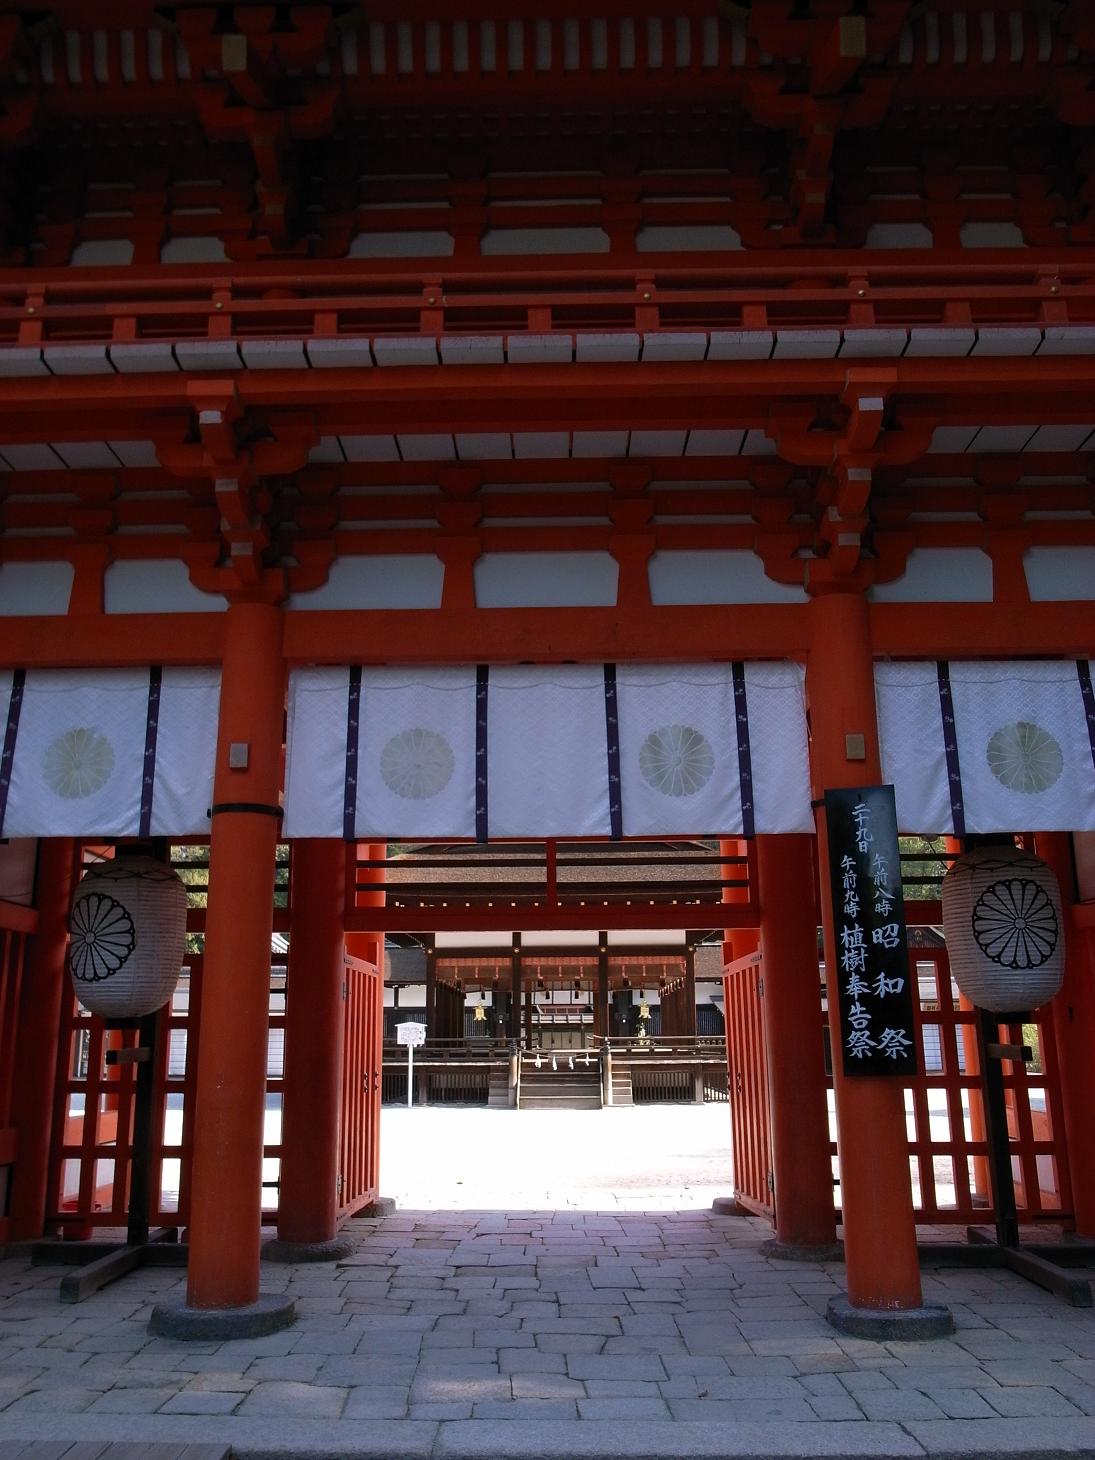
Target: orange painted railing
<point x="835" y="289"/>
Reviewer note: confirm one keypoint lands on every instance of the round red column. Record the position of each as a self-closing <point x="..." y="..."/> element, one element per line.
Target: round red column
<point x="226" y="1193"/>
<point x="1074" y="1031"/>
<point x="805" y="1219"/>
<point x="876" y="1192"/>
<point x="314" y="1034"/>
<point x="44" y="990"/>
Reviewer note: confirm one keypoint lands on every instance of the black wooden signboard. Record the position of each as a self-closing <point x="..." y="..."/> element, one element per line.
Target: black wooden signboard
<point x="876" y="993"/>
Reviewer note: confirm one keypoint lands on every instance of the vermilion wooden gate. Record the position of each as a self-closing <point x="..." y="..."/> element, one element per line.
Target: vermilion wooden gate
<point x="359" y="1125"/>
<point x="93" y="1119"/>
<point x="945" y="1118"/>
<point x="747" y="1082"/>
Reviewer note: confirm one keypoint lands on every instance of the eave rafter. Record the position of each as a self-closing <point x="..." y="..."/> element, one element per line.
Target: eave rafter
<point x="260" y="87"/>
<point x="822" y="84"/>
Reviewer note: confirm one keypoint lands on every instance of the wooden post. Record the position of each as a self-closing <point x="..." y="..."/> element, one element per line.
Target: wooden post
<point x="433" y="1030"/>
<point x="876" y="1193"/>
<point x="228" y="1117"/>
<point x="791" y="1008"/>
<point x="601" y="997"/>
<point x="688" y="990"/>
<point x="45" y="987"/>
<point x="515" y="988"/>
<point x="314" y="1032"/>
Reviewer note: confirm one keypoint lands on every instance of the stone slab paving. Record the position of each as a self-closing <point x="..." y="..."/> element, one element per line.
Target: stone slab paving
<point x="552" y="1333"/>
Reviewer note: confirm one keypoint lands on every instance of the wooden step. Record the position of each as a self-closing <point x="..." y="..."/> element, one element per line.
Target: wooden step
<point x="560" y="1089"/>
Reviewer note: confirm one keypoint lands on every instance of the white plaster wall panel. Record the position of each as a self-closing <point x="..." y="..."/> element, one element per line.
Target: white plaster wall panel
<point x="546" y="580"/>
<point x="370" y="448"/>
<point x="740" y="345"/>
<point x="135" y="453"/>
<point x="338" y="354"/>
<point x="440" y="447"/>
<point x="208" y="355"/>
<point x="1083" y="852"/>
<point x="405" y="350"/>
<point x="22" y="360"/>
<point x="35" y="588"/>
<point x="657" y="443"/>
<point x="758" y="443"/>
<point x="1068" y="339"/>
<point x="1060" y="574"/>
<point x="154" y="358"/>
<point x="939" y="575"/>
<point x="483" y="446"/>
<point x="873" y="344"/>
<point x="18" y="861"/>
<point x="940" y="342"/>
<point x="498" y="242"/>
<point x="899" y="235"/>
<point x="541" y="445"/>
<point x="715" y="576"/>
<point x="991" y="235"/>
<point x="714" y="443"/>
<point x="1007" y="340"/>
<point x="806" y="344"/>
<point x="85" y="455"/>
<point x="947" y="440"/>
<point x="1059" y="438"/>
<point x="600" y="443"/>
<point x="155" y="585"/>
<point x="78" y="360"/>
<point x="554" y="349"/>
<point x="675" y="346"/>
<point x="199" y="249"/>
<point x="274" y="354"/>
<point x="472" y="350"/>
<point x="694" y="238"/>
<point x="31" y="456"/>
<point x="620" y="346"/>
<point x="102" y="252"/>
<point x="327" y="451"/>
<point x="1001" y="438"/>
<point x="419" y="244"/>
<point x="397" y="580"/>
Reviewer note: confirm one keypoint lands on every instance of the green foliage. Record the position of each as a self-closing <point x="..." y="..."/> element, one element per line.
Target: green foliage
<point x="922" y="867"/>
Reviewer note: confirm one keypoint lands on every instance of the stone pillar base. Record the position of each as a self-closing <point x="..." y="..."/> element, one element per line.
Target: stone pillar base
<point x="726" y="1206"/>
<point x="888" y="1325"/>
<point x="384" y="1206"/>
<point x="803" y="1251"/>
<point x="254" y="1320"/>
<point x="277" y="1250"/>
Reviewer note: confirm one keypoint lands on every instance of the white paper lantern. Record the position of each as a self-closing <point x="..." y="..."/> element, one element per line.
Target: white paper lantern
<point x="127" y="938"/>
<point x="1004" y="930"/>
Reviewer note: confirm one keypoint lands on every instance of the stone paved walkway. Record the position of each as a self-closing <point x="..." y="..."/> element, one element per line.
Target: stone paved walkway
<point x="554" y="1333"/>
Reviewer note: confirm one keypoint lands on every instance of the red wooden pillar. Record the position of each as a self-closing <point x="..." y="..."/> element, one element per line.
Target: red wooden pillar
<point x="44" y="989"/>
<point x="792" y="1034"/>
<point x="1074" y="1031"/>
<point x="879" y="1225"/>
<point x="739" y="942"/>
<point x="223" y="1277"/>
<point x="314" y="1033"/>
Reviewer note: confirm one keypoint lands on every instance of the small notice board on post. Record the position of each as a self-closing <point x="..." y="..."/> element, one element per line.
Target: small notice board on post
<point x="413" y="1035"/>
<point x="877" y="1033"/>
